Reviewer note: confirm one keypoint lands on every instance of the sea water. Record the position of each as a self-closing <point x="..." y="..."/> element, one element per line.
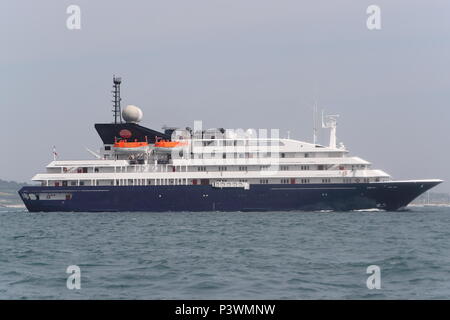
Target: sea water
<point x="234" y="255"/>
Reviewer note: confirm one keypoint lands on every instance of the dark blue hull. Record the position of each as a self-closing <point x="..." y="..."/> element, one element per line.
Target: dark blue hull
<point x="264" y="197"/>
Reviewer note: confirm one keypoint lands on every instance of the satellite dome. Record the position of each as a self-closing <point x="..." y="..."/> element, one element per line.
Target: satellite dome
<point x="132" y="114"/>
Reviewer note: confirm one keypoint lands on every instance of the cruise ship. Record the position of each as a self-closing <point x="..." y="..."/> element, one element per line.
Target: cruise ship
<point x="196" y="169"/>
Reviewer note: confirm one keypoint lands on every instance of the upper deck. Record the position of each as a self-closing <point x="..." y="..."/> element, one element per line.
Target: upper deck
<point x="212" y="160"/>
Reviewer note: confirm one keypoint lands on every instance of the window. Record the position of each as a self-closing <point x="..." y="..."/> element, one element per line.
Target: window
<point x="306" y="155"/>
<point x="243" y="168"/>
<point x="264" y="181"/>
<point x="320" y="167"/>
<point x="304" y="180"/>
<point x="285" y="181"/>
<point x="107" y="148"/>
<point x="304" y="167"/>
<point x="326" y="180"/>
<point x="201" y="168"/>
<point x="284" y="168"/>
<point x="222" y="168"/>
<point x="283" y="155"/>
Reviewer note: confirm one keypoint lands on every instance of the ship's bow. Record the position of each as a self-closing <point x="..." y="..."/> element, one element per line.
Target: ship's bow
<point x="395" y="195"/>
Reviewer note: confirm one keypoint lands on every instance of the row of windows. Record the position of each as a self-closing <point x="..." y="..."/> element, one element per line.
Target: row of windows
<point x="306" y="155"/>
<point x="204" y="168"/>
<point x="282" y="168"/>
<point x="260" y="155"/>
<point x="221" y="168"/>
<point x="65" y="183"/>
<point x="237" y="143"/>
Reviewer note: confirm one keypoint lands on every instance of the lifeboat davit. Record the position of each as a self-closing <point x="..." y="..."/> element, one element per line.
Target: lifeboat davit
<point x="169" y="146"/>
<point x="123" y="146"/>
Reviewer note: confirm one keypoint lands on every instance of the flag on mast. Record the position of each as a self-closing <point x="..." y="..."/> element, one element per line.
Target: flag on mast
<point x="55" y="154"/>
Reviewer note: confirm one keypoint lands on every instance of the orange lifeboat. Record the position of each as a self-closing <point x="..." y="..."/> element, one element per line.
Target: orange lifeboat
<point x="123" y="146"/>
<point x="168" y="146"/>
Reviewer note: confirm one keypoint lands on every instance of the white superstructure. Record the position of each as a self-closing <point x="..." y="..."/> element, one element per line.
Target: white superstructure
<point x="218" y="158"/>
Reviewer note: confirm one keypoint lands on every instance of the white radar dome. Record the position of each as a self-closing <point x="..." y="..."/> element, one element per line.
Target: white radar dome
<point x="132" y="114"/>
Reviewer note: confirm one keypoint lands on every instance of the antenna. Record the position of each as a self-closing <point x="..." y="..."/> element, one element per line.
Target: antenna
<point x="330" y="123"/>
<point x="95" y="154"/>
<point x="116" y="95"/>
<point x="315" y="122"/>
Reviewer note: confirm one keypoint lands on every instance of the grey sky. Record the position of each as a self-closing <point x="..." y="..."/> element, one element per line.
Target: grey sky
<point x="232" y="64"/>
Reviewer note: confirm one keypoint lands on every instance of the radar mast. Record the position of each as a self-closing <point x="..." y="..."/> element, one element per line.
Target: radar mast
<point x="116" y="96"/>
<point x="330" y="123"/>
